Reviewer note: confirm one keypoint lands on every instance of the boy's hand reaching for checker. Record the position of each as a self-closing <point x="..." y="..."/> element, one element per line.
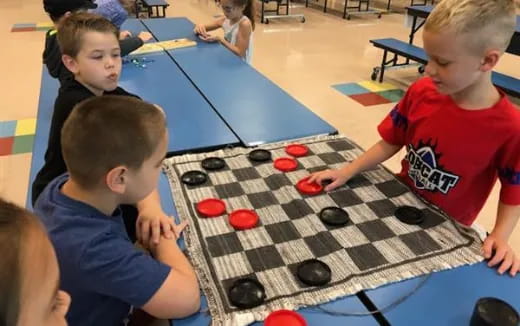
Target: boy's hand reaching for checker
<point x="337" y="178"/>
<point x="500" y="254"/>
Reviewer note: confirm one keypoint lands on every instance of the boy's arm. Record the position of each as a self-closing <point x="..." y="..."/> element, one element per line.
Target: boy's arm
<point x="179" y="295"/>
<point x="130" y="44"/>
<point x="507" y="218"/>
<point x="378" y="153"/>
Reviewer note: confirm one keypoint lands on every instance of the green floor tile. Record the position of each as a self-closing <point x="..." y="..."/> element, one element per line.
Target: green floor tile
<point x="393" y="95"/>
<point x="23" y="144"/>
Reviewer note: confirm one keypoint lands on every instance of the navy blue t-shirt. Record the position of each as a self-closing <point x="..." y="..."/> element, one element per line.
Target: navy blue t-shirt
<point x="100" y="268"/>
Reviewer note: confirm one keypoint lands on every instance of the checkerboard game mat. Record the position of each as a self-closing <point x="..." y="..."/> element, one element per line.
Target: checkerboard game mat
<point x="373" y="249"/>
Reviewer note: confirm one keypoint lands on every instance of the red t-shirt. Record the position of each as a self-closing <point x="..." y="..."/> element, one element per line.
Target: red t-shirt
<point x="454" y="156"/>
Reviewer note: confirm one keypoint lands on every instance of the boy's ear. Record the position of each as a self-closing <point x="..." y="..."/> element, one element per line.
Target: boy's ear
<point x="117" y="179"/>
<point x="70" y="63"/>
<point x="490" y="60"/>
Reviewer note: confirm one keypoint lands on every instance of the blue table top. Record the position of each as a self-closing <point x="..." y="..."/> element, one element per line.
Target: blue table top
<point x="170" y="28"/>
<point x="447" y="298"/>
<point x="192" y="123"/>
<point x="48" y="92"/>
<point x="134" y="26"/>
<point x="256" y="109"/>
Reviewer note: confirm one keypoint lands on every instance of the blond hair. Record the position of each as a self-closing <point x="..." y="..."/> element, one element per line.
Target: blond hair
<point x="492" y="22"/>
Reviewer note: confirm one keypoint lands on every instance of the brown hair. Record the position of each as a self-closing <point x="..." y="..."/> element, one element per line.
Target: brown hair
<point x="72" y="29"/>
<point x="14" y="225"/>
<point x="491" y="23"/>
<point x="104" y="132"/>
<point x="249" y="10"/>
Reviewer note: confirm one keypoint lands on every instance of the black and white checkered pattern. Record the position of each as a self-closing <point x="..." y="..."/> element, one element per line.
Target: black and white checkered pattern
<point x="373" y="249"/>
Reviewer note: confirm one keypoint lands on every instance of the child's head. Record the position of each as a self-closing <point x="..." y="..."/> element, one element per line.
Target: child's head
<point x="60" y="8"/>
<point x="90" y="50"/>
<point x="29" y="275"/>
<point x="464" y="40"/>
<point x="234" y="9"/>
<point x="115" y="144"/>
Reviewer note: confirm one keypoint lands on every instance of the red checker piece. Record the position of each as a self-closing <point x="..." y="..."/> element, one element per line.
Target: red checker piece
<point x="297" y="150"/>
<point x="243" y="219"/>
<point x="285" y="318"/>
<point x="285" y="164"/>
<point x="211" y="207"/>
<point x="307" y="188"/>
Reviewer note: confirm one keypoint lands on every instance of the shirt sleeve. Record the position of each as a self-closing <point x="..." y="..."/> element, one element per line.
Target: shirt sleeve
<point x="114" y="267"/>
<point x="395" y="125"/>
<point x="130" y="44"/>
<point x="509" y="171"/>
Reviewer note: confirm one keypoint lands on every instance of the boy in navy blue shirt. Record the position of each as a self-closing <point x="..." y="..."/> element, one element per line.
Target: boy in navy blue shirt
<point x="113" y="148"/>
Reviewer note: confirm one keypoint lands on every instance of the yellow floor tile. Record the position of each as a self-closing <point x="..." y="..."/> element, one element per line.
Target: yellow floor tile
<point x="376" y="87"/>
<point x="25" y="127"/>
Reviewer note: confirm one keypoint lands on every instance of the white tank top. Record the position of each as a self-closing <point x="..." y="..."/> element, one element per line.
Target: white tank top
<point x="230" y="34"/>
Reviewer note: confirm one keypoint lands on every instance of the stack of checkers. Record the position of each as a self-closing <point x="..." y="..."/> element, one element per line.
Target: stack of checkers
<point x="263" y="238"/>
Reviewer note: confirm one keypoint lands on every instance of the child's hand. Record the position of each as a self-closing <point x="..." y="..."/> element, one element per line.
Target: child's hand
<point x="124" y="34"/>
<point x="150" y="226"/>
<point x="200" y="30"/>
<point x="145" y="36"/>
<point x="210" y="38"/>
<point x="337" y="178"/>
<point x="504" y="254"/>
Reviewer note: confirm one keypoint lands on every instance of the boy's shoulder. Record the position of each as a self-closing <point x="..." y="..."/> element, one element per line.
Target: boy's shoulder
<point x="71" y="222"/>
<point x="424" y="87"/>
<point x="72" y="92"/>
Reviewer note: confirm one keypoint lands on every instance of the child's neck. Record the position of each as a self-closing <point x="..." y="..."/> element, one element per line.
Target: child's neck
<point x="478" y="96"/>
<point x="94" y="91"/>
<point x="235" y="20"/>
<point x="103" y="202"/>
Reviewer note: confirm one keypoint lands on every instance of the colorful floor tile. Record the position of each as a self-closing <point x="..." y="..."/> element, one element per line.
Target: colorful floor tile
<point x="369" y="93"/>
<point x="17" y="137"/>
<point x="31" y="27"/>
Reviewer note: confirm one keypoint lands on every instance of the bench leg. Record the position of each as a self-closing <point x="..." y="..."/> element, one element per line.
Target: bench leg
<point x="262" y="14"/>
<point x="383" y="63"/>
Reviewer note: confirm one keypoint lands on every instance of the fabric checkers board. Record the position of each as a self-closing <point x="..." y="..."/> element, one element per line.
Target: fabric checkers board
<point x="374" y="248"/>
<point x="164" y="46"/>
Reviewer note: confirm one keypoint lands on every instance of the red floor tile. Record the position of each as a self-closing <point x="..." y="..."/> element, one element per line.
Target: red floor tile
<point x="369" y="99"/>
<point x="6" y="146"/>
